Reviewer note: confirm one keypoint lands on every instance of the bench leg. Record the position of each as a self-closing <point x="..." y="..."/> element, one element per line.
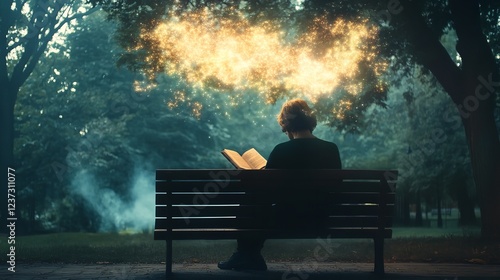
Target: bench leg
<point x="379" y="255"/>
<point x="168" y="261"/>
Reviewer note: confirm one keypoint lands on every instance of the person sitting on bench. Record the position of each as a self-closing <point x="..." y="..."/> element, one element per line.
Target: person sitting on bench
<point x="302" y="151"/>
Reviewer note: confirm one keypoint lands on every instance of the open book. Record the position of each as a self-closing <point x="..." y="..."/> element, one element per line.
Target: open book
<point x="250" y="159"/>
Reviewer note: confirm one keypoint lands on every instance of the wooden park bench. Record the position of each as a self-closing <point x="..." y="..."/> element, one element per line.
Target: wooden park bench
<point x="215" y="204"/>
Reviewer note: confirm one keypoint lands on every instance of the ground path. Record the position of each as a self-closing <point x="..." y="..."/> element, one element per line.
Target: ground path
<point x="279" y="271"/>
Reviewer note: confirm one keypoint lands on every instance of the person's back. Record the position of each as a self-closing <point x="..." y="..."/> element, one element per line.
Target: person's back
<point x="303" y="151"/>
<point x="305" y="207"/>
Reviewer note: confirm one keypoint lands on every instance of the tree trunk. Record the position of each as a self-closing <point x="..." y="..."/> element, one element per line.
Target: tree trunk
<point x="405" y="219"/>
<point x="402" y="207"/>
<point x="439" y="210"/>
<point x="6" y="140"/>
<point x="484" y="146"/>
<point x="466" y="210"/>
<point x="477" y="104"/>
<point x="418" y="210"/>
<point x="472" y="87"/>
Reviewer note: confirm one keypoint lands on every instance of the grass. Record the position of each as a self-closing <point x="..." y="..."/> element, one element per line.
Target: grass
<point x="407" y="245"/>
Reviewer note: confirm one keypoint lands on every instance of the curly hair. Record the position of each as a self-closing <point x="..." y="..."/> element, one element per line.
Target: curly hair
<point x="296" y="115"/>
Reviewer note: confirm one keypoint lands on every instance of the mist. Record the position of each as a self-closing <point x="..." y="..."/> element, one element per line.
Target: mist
<point x="116" y="212"/>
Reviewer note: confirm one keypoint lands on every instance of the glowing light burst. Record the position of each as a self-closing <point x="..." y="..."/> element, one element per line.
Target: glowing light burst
<point x="234" y="54"/>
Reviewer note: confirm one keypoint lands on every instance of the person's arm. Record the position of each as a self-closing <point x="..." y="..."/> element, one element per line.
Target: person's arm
<point x="338" y="162"/>
<point x="271" y="160"/>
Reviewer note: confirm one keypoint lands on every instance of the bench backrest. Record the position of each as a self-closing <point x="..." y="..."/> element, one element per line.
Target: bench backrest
<point x="222" y="200"/>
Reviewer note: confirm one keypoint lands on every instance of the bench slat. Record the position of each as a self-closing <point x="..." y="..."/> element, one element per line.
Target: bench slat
<point x="223" y="198"/>
<point x="246" y="210"/>
<point x="200" y="199"/>
<point x="190" y="211"/>
<point x="209" y="223"/>
<point x="265" y="186"/>
<point x="316" y="174"/>
<point x="359" y="198"/>
<point x="249" y="222"/>
<point x="274" y="175"/>
<point x="199" y="186"/>
<point x="360" y="209"/>
<point x="196" y="174"/>
<point x="360" y="221"/>
<point x="269" y="234"/>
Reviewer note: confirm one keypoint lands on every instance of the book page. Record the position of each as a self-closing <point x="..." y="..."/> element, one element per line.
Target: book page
<point x="236" y="159"/>
<point x="254" y="159"/>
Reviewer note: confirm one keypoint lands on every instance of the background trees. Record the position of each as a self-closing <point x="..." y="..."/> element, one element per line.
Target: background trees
<point x="471" y="83"/>
<point x="79" y="118"/>
<point x="26" y="29"/>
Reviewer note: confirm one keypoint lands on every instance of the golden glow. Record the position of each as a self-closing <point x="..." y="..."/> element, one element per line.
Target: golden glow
<point x="179" y="97"/>
<point x="235" y="55"/>
<point x="339" y="112"/>
<point x="196" y="109"/>
<point x="142" y="86"/>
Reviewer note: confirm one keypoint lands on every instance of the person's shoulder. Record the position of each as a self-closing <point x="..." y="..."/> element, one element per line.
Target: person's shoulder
<point x="325" y="142"/>
<point x="283" y="145"/>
